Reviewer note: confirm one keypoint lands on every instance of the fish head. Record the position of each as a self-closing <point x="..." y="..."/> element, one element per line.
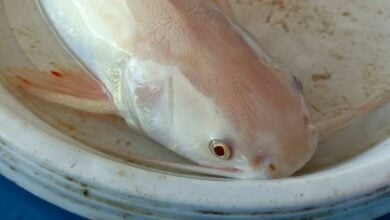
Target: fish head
<point x="249" y="133"/>
<point x="204" y="89"/>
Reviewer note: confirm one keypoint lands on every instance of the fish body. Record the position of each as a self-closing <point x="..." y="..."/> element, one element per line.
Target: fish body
<point x="183" y="74"/>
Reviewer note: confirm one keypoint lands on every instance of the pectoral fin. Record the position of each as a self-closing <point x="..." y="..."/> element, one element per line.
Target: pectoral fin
<point x="74" y="89"/>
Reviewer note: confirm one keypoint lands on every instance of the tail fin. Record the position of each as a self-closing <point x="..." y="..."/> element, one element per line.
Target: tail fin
<point x="63" y="86"/>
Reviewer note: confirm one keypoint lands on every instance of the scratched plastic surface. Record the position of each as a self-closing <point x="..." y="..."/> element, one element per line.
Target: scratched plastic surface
<point x="16" y="203"/>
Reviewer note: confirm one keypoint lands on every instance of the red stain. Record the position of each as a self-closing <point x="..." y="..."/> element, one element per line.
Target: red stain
<point x="56" y="73"/>
<point x="25" y="81"/>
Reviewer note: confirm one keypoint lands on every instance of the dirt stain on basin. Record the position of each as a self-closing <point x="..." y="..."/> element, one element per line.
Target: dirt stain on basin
<point x="321" y="77"/>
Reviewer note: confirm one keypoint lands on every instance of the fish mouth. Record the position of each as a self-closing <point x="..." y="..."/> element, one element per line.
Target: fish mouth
<point x="227" y="172"/>
<point x="235" y="173"/>
<point x="224" y="172"/>
<point x="188" y="169"/>
<point x="209" y="170"/>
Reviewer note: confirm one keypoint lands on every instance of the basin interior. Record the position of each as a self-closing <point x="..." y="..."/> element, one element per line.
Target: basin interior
<point x="339" y="51"/>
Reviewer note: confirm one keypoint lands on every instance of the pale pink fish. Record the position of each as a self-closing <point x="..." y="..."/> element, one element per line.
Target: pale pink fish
<point x="183" y="74"/>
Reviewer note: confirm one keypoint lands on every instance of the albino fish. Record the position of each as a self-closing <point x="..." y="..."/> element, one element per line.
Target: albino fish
<point x="183" y="74"/>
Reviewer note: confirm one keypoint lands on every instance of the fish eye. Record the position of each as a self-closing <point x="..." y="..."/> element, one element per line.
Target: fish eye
<point x="220" y="149"/>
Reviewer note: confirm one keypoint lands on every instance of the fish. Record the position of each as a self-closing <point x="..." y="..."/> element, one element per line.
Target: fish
<point x="184" y="74"/>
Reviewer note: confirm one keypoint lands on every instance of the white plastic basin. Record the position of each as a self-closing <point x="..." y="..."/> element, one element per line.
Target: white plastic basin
<point x="81" y="162"/>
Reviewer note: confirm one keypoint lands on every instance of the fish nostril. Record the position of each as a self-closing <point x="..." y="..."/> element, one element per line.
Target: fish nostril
<point x="272" y="166"/>
<point x="261" y="161"/>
